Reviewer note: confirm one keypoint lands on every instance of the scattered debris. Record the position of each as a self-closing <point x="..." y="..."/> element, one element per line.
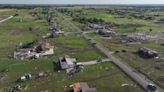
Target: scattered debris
<point x="42" y="74"/>
<point x="29" y="76"/>
<point x="137" y="37"/>
<point x="16" y="88"/>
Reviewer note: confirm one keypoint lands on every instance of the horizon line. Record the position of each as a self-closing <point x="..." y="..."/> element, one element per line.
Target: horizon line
<point x="76" y="4"/>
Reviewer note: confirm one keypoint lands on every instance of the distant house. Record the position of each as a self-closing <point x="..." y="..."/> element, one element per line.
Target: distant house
<point x="147" y="53"/>
<point x="82" y="87"/>
<point x="57" y="32"/>
<point x="105" y="32"/>
<point x="66" y="62"/>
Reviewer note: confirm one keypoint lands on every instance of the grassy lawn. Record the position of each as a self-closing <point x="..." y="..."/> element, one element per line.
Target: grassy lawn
<point x="103" y="77"/>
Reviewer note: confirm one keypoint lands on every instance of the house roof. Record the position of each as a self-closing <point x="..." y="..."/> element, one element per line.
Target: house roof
<point x="76" y="87"/>
<point x="70" y="61"/>
<point x="83" y="87"/>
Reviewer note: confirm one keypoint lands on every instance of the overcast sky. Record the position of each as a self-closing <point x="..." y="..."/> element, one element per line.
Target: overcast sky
<point x="81" y="1"/>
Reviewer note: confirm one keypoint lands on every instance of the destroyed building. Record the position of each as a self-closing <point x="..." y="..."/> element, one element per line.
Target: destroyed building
<point x="82" y="87"/>
<point x="42" y="49"/>
<point x="147" y="53"/>
<point x="25" y="55"/>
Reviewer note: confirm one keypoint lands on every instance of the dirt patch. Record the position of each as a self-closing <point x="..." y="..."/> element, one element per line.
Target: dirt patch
<point x="2" y="17"/>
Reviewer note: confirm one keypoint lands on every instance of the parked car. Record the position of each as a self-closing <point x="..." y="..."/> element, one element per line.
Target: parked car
<point x="151" y="87"/>
<point x="25" y="77"/>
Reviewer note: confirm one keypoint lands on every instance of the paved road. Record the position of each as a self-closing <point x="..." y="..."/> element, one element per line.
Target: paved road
<point x="6" y="19"/>
<point x="94" y="62"/>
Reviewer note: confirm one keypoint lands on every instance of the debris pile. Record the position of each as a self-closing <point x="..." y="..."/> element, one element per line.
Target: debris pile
<point x="41" y="50"/>
<point x="16" y="88"/>
<point x="137" y="37"/>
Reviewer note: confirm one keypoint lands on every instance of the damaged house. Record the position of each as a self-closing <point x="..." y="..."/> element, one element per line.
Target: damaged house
<point x="66" y="62"/>
<point x="57" y="32"/>
<point x="42" y="49"/>
<point x="105" y="32"/>
<point x="69" y="64"/>
<point x="147" y="53"/>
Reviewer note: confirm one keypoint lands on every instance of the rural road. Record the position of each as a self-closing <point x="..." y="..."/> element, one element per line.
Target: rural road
<point x="6" y="19"/>
<point x="94" y="62"/>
